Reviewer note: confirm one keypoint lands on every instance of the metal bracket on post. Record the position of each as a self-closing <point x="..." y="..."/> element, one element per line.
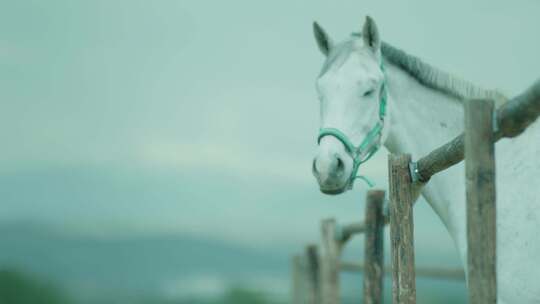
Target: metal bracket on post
<point x="386" y="208"/>
<point x="415" y="175"/>
<point x="495" y="122"/>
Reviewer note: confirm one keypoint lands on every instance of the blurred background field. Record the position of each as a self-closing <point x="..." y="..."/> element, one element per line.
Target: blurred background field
<point x="40" y="265"/>
<point x="160" y="151"/>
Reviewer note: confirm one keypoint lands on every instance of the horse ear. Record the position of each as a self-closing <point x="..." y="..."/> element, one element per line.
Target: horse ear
<point x="370" y="33"/>
<point x="323" y="41"/>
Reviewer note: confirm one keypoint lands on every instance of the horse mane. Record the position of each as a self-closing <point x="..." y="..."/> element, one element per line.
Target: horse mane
<point x="435" y="78"/>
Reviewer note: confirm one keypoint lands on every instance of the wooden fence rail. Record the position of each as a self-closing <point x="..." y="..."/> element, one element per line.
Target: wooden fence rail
<point x="343" y="234"/>
<point x="454" y="274"/>
<point x="511" y="120"/>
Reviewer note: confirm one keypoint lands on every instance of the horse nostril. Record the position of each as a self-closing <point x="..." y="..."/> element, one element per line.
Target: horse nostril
<point x="340" y="165"/>
<point x="314" y="167"/>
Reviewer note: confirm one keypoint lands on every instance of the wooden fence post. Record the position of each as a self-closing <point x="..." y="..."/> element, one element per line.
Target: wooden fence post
<point x="481" y="211"/>
<point x="312" y="273"/>
<point x="297" y="292"/>
<point x="305" y="277"/>
<point x="401" y="230"/>
<point x="373" y="248"/>
<point x="330" y="263"/>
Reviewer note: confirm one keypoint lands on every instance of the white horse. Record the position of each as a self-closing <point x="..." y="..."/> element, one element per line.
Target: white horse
<point x="360" y="77"/>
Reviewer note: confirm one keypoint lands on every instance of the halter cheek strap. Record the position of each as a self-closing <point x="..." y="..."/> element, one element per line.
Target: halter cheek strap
<point x="367" y="148"/>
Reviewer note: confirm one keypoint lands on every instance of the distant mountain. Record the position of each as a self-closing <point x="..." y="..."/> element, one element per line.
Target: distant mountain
<point x="170" y="266"/>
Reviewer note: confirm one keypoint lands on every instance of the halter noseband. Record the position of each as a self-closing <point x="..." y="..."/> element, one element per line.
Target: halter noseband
<point x="367" y="148"/>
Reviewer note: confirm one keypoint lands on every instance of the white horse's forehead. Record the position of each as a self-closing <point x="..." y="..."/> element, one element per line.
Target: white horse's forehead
<point x="356" y="65"/>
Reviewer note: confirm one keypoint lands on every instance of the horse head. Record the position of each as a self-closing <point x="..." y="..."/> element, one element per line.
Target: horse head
<point x="352" y="94"/>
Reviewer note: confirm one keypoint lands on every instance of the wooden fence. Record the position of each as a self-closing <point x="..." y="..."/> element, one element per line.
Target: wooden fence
<point x="316" y="275"/>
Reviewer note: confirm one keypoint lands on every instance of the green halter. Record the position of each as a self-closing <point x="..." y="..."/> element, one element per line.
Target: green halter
<point x="367" y="148"/>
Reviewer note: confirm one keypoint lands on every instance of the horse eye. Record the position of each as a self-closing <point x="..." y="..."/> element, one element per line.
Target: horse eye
<point x="369" y="93"/>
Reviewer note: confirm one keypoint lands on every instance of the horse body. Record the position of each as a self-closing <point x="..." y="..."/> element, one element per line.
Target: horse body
<point x="425" y="110"/>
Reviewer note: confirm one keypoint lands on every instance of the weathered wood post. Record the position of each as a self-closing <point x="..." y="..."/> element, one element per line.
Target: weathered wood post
<point x="305" y="277"/>
<point x="373" y="246"/>
<point x="481" y="211"/>
<point x="312" y="273"/>
<point x="330" y="263"/>
<point x="297" y="292"/>
<point x="401" y="230"/>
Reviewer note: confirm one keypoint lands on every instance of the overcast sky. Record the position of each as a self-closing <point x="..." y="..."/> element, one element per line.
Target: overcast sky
<point x="200" y="117"/>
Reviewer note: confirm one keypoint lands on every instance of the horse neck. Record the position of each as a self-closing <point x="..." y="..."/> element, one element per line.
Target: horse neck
<point x="422" y="119"/>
